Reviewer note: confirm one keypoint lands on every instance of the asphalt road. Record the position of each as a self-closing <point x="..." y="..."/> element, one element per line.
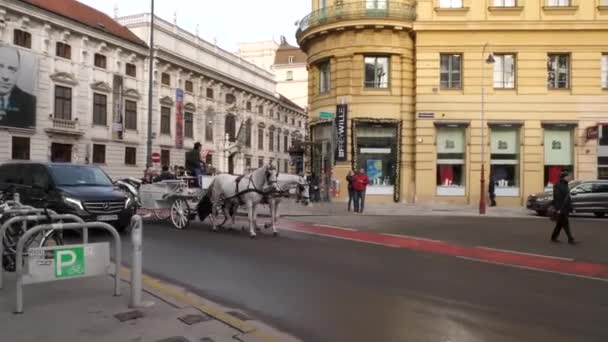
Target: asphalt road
<point x="324" y="289"/>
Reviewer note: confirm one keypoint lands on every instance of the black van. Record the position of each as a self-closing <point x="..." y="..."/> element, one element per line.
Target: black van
<point x="82" y="190"/>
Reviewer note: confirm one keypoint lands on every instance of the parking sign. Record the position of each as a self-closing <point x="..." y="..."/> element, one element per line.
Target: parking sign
<point x="69" y="262"/>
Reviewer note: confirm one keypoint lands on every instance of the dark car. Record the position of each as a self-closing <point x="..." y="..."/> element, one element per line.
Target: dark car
<point x="587" y="197"/>
<point x="82" y="190"/>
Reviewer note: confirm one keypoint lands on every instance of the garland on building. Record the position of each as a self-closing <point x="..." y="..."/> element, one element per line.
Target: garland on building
<point x="355" y="153"/>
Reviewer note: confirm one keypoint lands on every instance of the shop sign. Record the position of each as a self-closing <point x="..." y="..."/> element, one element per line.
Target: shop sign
<point x="426" y="115"/>
<point x="341" y="117"/>
<point x="592" y="132"/>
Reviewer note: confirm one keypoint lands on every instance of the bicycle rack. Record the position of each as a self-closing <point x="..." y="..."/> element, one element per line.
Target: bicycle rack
<point x="65" y="226"/>
<point x="32" y="218"/>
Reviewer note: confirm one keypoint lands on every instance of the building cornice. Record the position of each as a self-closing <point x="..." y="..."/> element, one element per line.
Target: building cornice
<point x="515" y="25"/>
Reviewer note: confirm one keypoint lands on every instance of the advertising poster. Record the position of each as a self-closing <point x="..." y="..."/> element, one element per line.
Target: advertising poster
<point x="179" y="118"/>
<point x="374" y="170"/>
<point x="18" y="69"/>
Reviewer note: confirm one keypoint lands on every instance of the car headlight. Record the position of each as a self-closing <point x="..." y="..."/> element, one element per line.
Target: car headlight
<point x="74" y="203"/>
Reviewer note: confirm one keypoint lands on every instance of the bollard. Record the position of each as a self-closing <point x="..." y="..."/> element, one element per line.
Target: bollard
<point x="136" y="262"/>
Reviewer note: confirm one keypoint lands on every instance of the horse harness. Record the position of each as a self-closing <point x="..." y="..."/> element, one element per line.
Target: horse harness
<point x="239" y="193"/>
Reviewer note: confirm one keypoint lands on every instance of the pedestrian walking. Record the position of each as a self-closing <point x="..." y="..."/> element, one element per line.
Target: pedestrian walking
<point x="360" y="182"/>
<point x="562" y="204"/>
<point x="351" y="191"/>
<point x="313" y="183"/>
<point x="492" y="191"/>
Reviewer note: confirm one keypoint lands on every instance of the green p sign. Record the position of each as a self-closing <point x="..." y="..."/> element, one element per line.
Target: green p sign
<point x="69" y="262"/>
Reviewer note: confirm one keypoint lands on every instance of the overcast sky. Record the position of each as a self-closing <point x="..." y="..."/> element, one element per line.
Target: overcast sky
<point x="230" y="21"/>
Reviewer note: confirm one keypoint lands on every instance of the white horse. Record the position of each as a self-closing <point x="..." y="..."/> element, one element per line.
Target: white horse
<point x="286" y="183"/>
<point x="234" y="191"/>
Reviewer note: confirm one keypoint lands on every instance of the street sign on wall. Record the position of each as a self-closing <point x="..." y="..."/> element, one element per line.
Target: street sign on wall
<point x="341" y="140"/>
<point x="326" y="115"/>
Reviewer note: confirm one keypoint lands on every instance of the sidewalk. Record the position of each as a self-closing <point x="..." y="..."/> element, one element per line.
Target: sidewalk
<point x="290" y="208"/>
<point x="85" y="310"/>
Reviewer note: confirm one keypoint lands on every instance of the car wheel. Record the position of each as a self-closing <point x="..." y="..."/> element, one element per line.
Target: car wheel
<point x="599" y="214"/>
<point x="541" y="213"/>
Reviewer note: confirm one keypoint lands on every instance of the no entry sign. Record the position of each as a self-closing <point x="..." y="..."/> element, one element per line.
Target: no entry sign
<point x="156" y="157"/>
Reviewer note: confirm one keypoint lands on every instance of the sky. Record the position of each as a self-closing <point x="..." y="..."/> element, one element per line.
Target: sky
<point x="228" y="21"/>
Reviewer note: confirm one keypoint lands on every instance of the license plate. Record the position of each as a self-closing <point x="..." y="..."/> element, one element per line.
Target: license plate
<point x="105" y="218"/>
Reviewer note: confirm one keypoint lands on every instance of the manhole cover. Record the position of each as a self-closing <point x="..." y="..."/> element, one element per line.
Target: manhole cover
<point x="193" y="319"/>
<point x="239" y="315"/>
<point x="174" y="339"/>
<point x="129" y="315"/>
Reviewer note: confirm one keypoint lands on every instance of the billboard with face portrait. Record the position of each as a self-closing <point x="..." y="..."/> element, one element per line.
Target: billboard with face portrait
<point x="18" y="69"/>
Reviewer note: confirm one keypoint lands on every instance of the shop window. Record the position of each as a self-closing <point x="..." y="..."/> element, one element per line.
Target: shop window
<point x="99" y="154"/>
<point x="451" y="180"/>
<point x="376" y="72"/>
<point x="558" y="144"/>
<point x="130" y="156"/>
<point x="504" y="171"/>
<point x="558" y="71"/>
<point x="377" y="155"/>
<point x="21" y="148"/>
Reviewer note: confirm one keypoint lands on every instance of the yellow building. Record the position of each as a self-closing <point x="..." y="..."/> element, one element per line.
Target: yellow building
<point x="419" y="119"/>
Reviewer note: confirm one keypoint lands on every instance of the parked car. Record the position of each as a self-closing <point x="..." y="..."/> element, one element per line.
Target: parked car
<point x="587" y="197"/>
<point x="82" y="190"/>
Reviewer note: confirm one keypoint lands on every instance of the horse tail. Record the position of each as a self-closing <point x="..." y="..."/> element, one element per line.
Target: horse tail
<point x="204" y="207"/>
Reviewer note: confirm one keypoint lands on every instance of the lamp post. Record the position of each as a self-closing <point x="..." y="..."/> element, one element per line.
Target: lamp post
<point x="482" y="193"/>
<point x="150" y="85"/>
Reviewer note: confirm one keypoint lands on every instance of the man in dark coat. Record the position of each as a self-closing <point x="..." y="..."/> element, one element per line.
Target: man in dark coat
<point x="194" y="164"/>
<point x="563" y="206"/>
<point x="17" y="108"/>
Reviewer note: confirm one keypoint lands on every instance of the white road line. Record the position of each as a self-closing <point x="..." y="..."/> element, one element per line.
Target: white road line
<point x="335" y="227"/>
<point x="524" y="253"/>
<point x="340" y="238"/>
<point x="410" y="237"/>
<point x="531" y="268"/>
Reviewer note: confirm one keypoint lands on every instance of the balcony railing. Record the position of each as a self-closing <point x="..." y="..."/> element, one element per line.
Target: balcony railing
<point x="353" y="10"/>
<point x="64" y="124"/>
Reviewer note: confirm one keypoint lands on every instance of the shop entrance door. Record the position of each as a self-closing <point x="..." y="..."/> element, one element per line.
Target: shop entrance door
<point x="61" y="153"/>
<point x="321" y="167"/>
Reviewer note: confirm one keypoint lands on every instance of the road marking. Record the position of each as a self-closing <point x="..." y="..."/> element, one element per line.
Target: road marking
<point x="342" y="228"/>
<point x="410" y="237"/>
<point x="340" y="238"/>
<point x="524" y="253"/>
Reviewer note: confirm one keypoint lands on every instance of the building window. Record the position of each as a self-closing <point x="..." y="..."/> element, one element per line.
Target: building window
<point x="188" y="125"/>
<point x="376" y="72"/>
<point x="271" y="113"/>
<point x="289" y="76"/>
<point x="260" y="139"/>
<point x="558" y="144"/>
<point x="165" y="79"/>
<point x="558" y="70"/>
<point x="189" y="86"/>
<point x="451" y="71"/>
<point x="230" y="127"/>
<point x="100" y="109"/>
<point x="165" y="120"/>
<point x="100" y="61"/>
<point x="504" y="171"/>
<point x="165" y="158"/>
<point x="324" y="78"/>
<point x="290" y="59"/>
<point x="261" y="110"/>
<point x="230" y="99"/>
<point x="209" y="120"/>
<point x="286" y="143"/>
<point x="376" y="147"/>
<point x="130" y="156"/>
<point x="22" y="38"/>
<point x="99" y="154"/>
<point x="603" y="136"/>
<point x="558" y="3"/>
<point x="293" y="121"/>
<point x="130" y="70"/>
<point x="21" y="148"/>
<point x="210" y="93"/>
<point x="248" y="106"/>
<point x="247" y="164"/>
<point x="505" y="3"/>
<point x="63" y="103"/>
<point x="450" y="161"/>
<point x="248" y="133"/>
<point x="450" y="3"/>
<point x="260" y="162"/>
<point x="605" y="71"/>
<point x="271" y="140"/>
<point x="285" y="119"/>
<point x="286" y="166"/>
<point x="130" y="115"/>
<point x="504" y="71"/>
<point x="63" y="50"/>
<point x="300" y="124"/>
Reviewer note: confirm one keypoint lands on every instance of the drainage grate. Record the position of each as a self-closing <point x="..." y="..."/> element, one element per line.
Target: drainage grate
<point x="193" y="319"/>
<point x="129" y="315"/>
<point x="174" y="339"/>
<point x="239" y="315"/>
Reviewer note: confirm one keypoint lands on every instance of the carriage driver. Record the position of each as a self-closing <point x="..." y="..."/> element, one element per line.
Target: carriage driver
<point x="194" y="164"/>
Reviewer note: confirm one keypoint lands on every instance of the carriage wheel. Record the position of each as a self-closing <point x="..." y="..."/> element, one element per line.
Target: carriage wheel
<point x="180" y="213"/>
<point x="221" y="218"/>
<point x="161" y="214"/>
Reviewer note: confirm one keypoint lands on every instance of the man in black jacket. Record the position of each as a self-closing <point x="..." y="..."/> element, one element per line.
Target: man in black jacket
<point x="563" y="205"/>
<point x="17" y="107"/>
<point x="194" y="164"/>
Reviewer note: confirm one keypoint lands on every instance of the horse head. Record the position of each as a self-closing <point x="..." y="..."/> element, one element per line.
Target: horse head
<point x="271" y="175"/>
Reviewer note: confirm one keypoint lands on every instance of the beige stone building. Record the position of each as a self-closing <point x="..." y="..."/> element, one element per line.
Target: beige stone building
<point x="437" y="88"/>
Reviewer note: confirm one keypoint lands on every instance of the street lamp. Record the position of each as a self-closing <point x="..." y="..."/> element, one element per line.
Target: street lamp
<point x="150" y="85"/>
<point x="482" y="194"/>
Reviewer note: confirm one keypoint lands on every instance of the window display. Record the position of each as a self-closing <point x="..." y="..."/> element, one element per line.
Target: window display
<point x="504" y="171"/>
<point x="450" y="161"/>
<point x="377" y="154"/>
<point x="558" y="155"/>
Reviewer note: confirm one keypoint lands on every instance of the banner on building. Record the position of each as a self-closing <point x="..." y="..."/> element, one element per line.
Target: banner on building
<point x="179" y="118"/>
<point x="117" y="120"/>
<point x="341" y="121"/>
<point x="17" y="90"/>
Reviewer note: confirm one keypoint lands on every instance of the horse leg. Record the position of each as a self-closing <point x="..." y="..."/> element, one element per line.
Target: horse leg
<point x="274" y="209"/>
<point x="214" y="216"/>
<point x="251" y="210"/>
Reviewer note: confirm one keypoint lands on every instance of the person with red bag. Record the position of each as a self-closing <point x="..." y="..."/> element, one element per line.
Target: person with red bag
<point x="359" y="183"/>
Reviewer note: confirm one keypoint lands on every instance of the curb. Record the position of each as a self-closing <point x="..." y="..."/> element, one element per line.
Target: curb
<point x="180" y="297"/>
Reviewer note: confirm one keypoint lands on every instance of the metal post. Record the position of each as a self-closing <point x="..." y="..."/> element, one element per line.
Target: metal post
<point x="150" y="85"/>
<point x="136" y="263"/>
<point x="482" y="193"/>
